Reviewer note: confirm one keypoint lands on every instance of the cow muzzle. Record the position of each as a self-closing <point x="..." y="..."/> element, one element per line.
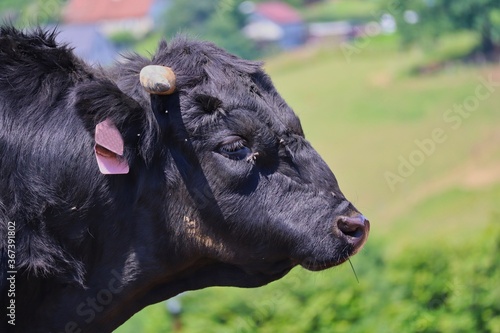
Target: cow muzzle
<point x="354" y="229"/>
<point x="352" y="233"/>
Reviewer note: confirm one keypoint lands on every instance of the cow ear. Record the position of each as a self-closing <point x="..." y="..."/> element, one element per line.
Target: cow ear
<point x="113" y="119"/>
<point x="109" y="149"/>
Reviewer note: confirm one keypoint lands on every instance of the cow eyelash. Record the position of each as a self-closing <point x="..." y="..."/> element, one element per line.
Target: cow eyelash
<point x="233" y="146"/>
<point x="235" y="149"/>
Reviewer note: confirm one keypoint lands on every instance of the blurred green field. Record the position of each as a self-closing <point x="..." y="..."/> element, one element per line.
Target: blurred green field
<point x="432" y="258"/>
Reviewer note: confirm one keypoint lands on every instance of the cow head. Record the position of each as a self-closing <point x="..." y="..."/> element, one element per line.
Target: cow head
<point x="249" y="198"/>
<point x="208" y="181"/>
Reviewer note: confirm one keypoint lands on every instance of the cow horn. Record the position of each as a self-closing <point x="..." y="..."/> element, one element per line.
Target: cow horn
<point x="158" y="80"/>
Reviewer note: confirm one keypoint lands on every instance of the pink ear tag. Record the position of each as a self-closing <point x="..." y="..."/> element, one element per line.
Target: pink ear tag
<point x="109" y="149"/>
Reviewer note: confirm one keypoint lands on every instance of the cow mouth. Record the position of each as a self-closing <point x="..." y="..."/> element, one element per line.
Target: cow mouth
<point x="315" y="264"/>
<point x="355" y="240"/>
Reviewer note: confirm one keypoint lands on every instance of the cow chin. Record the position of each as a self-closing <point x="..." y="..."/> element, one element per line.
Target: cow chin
<point x="266" y="273"/>
<point x="231" y="275"/>
<point x="315" y="265"/>
<point x="319" y="262"/>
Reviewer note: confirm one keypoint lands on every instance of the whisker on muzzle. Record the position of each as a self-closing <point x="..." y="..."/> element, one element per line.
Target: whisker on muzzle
<point x="353" y="270"/>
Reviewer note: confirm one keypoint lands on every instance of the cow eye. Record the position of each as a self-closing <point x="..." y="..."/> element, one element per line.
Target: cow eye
<point x="235" y="148"/>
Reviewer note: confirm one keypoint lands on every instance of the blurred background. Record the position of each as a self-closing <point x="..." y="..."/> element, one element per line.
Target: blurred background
<point x="401" y="98"/>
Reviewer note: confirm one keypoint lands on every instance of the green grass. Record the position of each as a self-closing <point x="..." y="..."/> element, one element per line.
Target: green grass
<point x="362" y="115"/>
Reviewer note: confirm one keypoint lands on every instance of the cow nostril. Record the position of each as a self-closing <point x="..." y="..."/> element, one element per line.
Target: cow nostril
<point x="355" y="227"/>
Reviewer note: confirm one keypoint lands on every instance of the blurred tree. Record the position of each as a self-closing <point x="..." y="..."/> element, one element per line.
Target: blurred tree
<point x="30" y="12"/>
<point x="219" y="21"/>
<point x="426" y="20"/>
<point x="295" y="3"/>
<point x="17" y="5"/>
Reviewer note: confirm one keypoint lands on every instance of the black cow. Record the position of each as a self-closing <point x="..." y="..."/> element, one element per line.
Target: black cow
<point x="112" y="198"/>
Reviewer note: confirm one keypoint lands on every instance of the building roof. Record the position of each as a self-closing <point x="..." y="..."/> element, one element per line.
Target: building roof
<point x="278" y="11"/>
<point x="89" y="11"/>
